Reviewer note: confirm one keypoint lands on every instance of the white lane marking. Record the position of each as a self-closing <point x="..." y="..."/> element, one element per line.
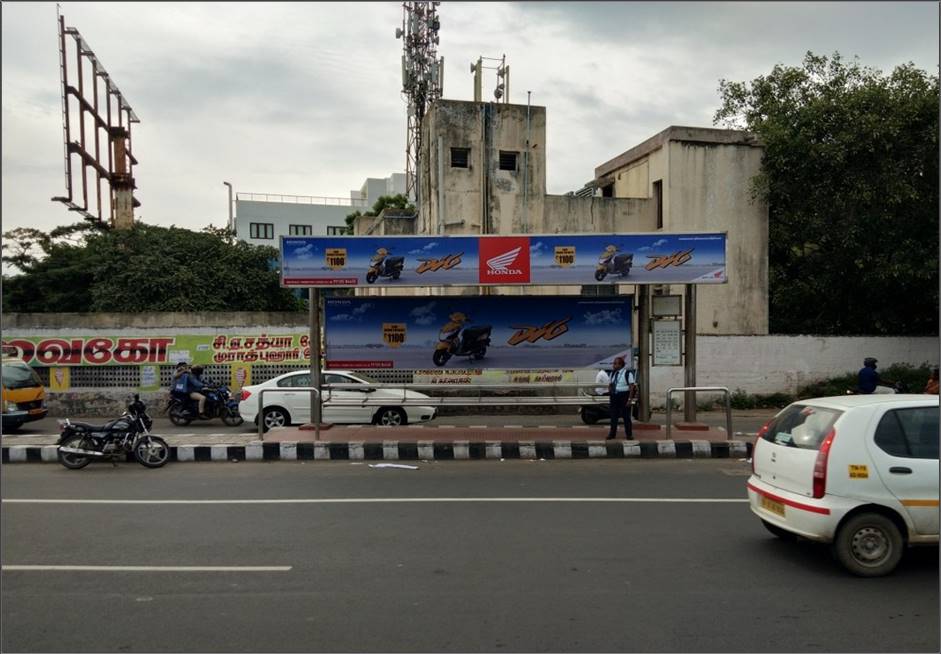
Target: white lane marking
<point x="150" y="568"/>
<point x="395" y="500"/>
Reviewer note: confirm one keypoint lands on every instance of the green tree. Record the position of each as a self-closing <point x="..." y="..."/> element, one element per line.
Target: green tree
<point x="147" y="268"/>
<point x="850" y="174"/>
<point x="397" y="201"/>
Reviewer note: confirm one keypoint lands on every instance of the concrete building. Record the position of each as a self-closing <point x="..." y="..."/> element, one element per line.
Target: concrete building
<point x="261" y="218"/>
<point x="484" y="166"/>
<point x="699" y="180"/>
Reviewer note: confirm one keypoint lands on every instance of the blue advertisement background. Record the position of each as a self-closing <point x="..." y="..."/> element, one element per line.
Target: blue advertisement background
<point x="598" y="330"/>
<point x="304" y="264"/>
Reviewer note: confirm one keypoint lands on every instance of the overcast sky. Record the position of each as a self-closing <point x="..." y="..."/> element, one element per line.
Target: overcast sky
<point x="304" y="98"/>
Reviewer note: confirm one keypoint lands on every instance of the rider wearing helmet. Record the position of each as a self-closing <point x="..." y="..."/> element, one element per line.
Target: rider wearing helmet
<point x="869" y="381"/>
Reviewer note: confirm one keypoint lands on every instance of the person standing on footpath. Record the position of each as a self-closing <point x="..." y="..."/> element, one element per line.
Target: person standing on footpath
<point x="623" y="383"/>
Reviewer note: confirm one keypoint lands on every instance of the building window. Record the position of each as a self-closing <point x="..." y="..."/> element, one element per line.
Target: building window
<point x="336" y="230"/>
<point x="508" y="160"/>
<point x="300" y="230"/>
<point x="658" y="200"/>
<point x="607" y="191"/>
<point x="261" y="230"/>
<point x="460" y="157"/>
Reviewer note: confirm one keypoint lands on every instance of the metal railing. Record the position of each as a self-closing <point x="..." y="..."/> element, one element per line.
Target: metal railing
<point x="728" y="405"/>
<point x="437" y="401"/>
<point x="301" y="199"/>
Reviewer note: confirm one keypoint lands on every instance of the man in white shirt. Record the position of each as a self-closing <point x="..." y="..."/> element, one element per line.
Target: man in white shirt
<point x="623" y="386"/>
<point x="603" y="381"/>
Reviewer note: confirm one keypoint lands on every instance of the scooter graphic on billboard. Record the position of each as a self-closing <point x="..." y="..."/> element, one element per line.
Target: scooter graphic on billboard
<point x="457" y="339"/>
<point x="382" y="265"/>
<point x="612" y="263"/>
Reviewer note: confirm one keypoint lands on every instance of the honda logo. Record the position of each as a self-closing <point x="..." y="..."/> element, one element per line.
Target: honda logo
<point x="504" y="260"/>
<point x="500" y="264"/>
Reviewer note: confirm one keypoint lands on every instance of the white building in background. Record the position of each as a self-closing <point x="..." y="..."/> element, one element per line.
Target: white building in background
<point x="261" y="218"/>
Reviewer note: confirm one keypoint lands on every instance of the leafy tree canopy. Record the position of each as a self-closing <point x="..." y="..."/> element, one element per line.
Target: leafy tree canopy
<point x="850" y="174"/>
<point x="147" y="268"/>
<point x="397" y="201"/>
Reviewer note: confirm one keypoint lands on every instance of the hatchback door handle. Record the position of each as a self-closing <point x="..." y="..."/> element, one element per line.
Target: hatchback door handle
<point x="900" y="470"/>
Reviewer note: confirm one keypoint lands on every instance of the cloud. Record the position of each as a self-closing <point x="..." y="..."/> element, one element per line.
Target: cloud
<point x="537" y="249"/>
<point x="423" y="315"/>
<point x="604" y="317"/>
<point x="427" y="248"/>
<point x="319" y="109"/>
<point x="659" y="242"/>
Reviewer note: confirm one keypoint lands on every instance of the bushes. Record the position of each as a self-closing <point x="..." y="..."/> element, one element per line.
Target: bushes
<point x="913" y="378"/>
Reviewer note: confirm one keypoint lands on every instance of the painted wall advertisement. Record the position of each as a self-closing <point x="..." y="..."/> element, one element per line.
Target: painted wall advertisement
<point x="557" y="259"/>
<point x="471" y="334"/>
<point x="201" y="349"/>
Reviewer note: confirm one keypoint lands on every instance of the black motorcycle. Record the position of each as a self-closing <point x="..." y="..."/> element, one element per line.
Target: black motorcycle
<point x="385" y="267"/>
<point x="219" y="404"/>
<point x="127" y="436"/>
<point x="469" y="342"/>
<point x="614" y="264"/>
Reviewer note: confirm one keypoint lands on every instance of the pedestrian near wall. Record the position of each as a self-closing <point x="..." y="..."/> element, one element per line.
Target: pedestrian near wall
<point x="622" y="388"/>
<point x="931" y="387"/>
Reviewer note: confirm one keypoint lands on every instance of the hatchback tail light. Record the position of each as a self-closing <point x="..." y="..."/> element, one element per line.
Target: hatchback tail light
<point x="758" y="437"/>
<point x="245" y="395"/>
<point x="820" y="465"/>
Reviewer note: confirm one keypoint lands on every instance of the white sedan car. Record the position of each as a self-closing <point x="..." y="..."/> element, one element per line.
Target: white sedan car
<point x="859" y="472"/>
<point x="362" y="405"/>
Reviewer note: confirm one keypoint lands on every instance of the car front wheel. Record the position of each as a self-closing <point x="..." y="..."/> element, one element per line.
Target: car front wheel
<point x="391" y="417"/>
<point x="869" y="545"/>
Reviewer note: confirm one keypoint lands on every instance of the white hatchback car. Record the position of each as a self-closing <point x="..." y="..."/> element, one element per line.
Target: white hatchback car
<point x="287" y="407"/>
<point x="857" y="471"/>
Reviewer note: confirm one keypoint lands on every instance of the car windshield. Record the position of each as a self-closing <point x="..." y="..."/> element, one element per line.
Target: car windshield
<point x="802" y="426"/>
<point x="20" y="376"/>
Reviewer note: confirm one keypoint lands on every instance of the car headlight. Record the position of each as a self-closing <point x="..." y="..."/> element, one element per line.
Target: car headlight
<point x="9" y="407"/>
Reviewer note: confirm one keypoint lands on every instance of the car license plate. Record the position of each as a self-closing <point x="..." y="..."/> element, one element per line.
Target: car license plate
<point x="770" y="505"/>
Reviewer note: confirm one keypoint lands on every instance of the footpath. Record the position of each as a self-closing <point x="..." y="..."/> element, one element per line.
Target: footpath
<point x="706" y="439"/>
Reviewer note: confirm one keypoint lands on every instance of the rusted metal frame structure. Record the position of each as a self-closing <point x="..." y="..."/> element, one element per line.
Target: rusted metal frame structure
<point x="121" y="161"/>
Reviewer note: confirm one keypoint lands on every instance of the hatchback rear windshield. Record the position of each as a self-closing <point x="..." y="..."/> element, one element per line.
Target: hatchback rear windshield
<point x="802" y="426"/>
<point x="15" y="376"/>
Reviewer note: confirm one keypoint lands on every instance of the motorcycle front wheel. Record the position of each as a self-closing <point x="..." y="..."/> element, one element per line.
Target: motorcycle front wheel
<point x="440" y="357"/>
<point x="75" y="461"/>
<point x="600" y="275"/>
<point x="371" y="277"/>
<point x="151" y="451"/>
<point x="231" y="417"/>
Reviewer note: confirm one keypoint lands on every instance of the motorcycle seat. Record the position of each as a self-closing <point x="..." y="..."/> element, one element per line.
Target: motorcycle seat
<point x="90" y="427"/>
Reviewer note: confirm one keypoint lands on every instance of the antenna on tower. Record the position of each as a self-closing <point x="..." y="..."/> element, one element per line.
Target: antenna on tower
<point x="422" y="79"/>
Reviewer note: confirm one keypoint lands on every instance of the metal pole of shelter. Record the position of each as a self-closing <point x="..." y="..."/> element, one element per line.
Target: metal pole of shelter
<point x="643" y="345"/>
<point x="689" y="402"/>
<point x="313" y="300"/>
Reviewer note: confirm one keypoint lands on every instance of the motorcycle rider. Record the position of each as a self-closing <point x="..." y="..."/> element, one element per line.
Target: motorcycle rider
<point x="869" y="381"/>
<point x="451" y="329"/>
<point x="378" y="258"/>
<point x="179" y="383"/>
<point x="195" y="384"/>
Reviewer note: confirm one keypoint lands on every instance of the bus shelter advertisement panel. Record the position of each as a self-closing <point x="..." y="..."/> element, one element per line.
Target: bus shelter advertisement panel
<point x="477" y="333"/>
<point x="400" y="261"/>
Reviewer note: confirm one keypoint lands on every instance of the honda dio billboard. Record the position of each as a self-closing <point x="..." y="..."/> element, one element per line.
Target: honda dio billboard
<point x="556" y="259"/>
<point x="476" y="333"/>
